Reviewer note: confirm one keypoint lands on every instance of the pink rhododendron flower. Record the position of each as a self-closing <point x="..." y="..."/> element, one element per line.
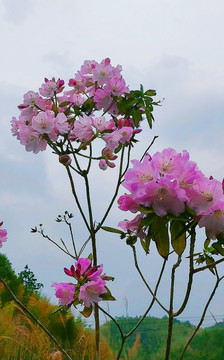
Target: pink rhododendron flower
<point x="81" y="266"/>
<point x="206" y="196"/>
<point x="48" y="89"/>
<point x="43" y="122"/>
<point x="102" y="73"/>
<point x="65" y="292"/>
<point x="32" y="140"/>
<point x="83" y="129"/>
<point x="3" y="234"/>
<point x="61" y="124"/>
<point x="126" y="202"/>
<point x="88" y="66"/>
<point x="165" y="197"/>
<point x="102" y="124"/>
<point x="131" y="225"/>
<point x="117" y="87"/>
<point x="214" y="224"/>
<point x="91" y="291"/>
<point x="126" y="134"/>
<point x="103" y="99"/>
<point x="112" y="139"/>
<point x="168" y="162"/>
<point x="31" y="98"/>
<point x="141" y="173"/>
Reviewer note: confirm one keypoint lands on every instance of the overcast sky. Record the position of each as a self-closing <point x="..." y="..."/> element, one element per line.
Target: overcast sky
<point x="172" y="46"/>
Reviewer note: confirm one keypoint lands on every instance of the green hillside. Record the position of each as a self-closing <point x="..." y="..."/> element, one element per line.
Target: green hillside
<point x="149" y="341"/>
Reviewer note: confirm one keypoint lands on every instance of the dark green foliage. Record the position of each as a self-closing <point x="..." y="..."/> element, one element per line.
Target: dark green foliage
<point x="29" y="281"/>
<point x="7" y="273"/>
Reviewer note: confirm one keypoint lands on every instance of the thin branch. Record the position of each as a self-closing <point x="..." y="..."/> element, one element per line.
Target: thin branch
<point x="35" y="319"/>
<point x="203" y="316"/>
<point x="208" y="266"/>
<point x="155" y="137"/>
<point x="115" y="194"/>
<point x="170" y="325"/>
<point x="54" y="242"/>
<point x="76" y="198"/>
<point x="113" y="319"/>
<point x="72" y="237"/>
<point x="145" y="282"/>
<point x="191" y="273"/>
<point x="152" y="302"/>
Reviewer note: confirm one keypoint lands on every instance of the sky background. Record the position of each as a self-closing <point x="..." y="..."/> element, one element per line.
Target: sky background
<point x="171" y="46"/>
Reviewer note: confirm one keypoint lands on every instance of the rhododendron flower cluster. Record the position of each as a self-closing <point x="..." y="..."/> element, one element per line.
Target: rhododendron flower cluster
<point x="89" y="287"/>
<point x="3" y="234"/>
<point x="168" y="182"/>
<point x="89" y="110"/>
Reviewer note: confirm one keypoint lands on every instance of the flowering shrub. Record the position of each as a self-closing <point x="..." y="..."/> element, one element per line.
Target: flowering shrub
<point x="168" y="193"/>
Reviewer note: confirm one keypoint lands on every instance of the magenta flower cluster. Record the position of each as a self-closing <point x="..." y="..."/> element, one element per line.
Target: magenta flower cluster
<point x="90" y="284"/>
<point x="53" y="114"/>
<point x="3" y="234"/>
<point x="167" y="182"/>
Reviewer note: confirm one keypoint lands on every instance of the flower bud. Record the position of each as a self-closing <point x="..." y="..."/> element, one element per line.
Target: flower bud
<point x="65" y="159"/>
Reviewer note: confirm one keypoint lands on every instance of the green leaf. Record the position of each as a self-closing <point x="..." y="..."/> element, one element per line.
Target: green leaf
<point x="107" y="296"/>
<point x="88" y="106"/>
<point x="108" y="278"/>
<point x="118" y="148"/>
<point x="206" y="243"/>
<point x="178" y="241"/>
<point x="209" y="260"/>
<point x="150" y="92"/>
<point x="141" y="89"/>
<point x="67" y="111"/>
<point x="137" y="116"/>
<point x="90" y="257"/>
<point x="113" y="230"/>
<point x="146" y="210"/>
<point x="65" y="103"/>
<point x="219" y="248"/>
<point x="87" y="311"/>
<point x="145" y="244"/>
<point x="160" y="234"/>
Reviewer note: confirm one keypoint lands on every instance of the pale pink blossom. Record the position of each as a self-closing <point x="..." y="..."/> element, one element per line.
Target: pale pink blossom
<point x="88" y="66"/>
<point x="103" y="99"/>
<point x="112" y="140"/>
<point x="31" y="98"/>
<point x="214" y="224"/>
<point x="126" y="134"/>
<point x="48" y="89"/>
<point x="61" y="124"/>
<point x="102" y="73"/>
<point x="205" y="196"/>
<point x="43" y="123"/>
<point x="32" y="140"/>
<point x="117" y="86"/>
<point x="82" y="129"/>
<point x="101" y="124"/>
<point x="65" y="292"/>
<point x="91" y="291"/>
